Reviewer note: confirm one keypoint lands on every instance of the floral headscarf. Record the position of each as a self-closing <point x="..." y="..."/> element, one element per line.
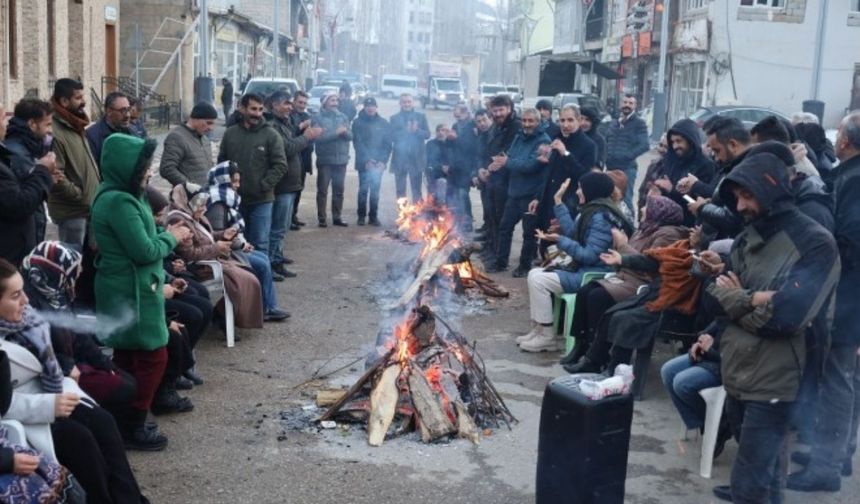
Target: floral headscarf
<point x="52" y="269"/>
<point x="660" y="211"/>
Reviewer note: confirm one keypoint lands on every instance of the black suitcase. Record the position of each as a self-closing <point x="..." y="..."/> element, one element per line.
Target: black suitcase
<point x="582" y="446"/>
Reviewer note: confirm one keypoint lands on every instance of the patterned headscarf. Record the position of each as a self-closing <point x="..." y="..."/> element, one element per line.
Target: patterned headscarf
<point x="660" y="211"/>
<point x="52" y="269"/>
<point x="221" y="191"/>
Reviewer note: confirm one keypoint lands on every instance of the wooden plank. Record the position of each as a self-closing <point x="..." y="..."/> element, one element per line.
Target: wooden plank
<point x="427" y="406"/>
<point x="327" y="397"/>
<point x="383" y="405"/>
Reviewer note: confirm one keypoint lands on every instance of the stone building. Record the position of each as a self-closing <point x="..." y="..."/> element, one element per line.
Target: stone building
<point x="44" y="40"/>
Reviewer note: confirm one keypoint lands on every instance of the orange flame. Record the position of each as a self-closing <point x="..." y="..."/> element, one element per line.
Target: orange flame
<point x="427" y="222"/>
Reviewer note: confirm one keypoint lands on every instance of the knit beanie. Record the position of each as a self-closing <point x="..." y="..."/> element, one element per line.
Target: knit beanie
<point x="596" y="185"/>
<point x="619" y="179"/>
<point x="204" y="110"/>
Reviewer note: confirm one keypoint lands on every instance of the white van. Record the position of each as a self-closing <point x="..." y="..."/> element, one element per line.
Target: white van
<point x="395" y="85"/>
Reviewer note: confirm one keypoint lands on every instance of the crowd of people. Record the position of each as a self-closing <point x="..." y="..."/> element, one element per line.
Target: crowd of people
<point x="748" y="239"/>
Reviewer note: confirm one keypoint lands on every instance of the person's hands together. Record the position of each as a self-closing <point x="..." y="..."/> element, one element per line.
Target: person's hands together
<point x="729" y="281"/>
<point x="547" y="237"/>
<point x="702" y="345"/>
<point x="25" y="464"/>
<point x="168" y="291"/>
<point x="533" y="206"/>
<point x="65" y="403"/>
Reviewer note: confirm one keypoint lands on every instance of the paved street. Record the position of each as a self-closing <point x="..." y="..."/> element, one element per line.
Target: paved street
<point x="234" y="448"/>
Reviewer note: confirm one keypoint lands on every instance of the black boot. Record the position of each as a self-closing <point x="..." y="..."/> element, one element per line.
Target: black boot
<point x="138" y="435"/>
<point x="168" y="400"/>
<point x="580" y="348"/>
<point x="584" y="365"/>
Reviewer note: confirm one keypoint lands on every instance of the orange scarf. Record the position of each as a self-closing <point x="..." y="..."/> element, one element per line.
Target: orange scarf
<point x="77" y="122"/>
<point x="678" y="290"/>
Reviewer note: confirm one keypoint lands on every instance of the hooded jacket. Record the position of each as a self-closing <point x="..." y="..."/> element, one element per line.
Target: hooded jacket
<point x="846" y="187"/>
<point x="763" y="348"/>
<point x="259" y="152"/>
<point x="693" y="162"/>
<point x="526" y="174"/>
<point x="129" y="265"/>
<point x="72" y="197"/>
<point x="332" y="148"/>
<point x="371" y="137"/>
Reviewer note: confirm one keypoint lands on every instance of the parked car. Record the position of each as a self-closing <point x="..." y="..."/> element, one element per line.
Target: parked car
<point x="359" y="92"/>
<point x="579" y="99"/>
<point x="316" y="93"/>
<point x="747" y="114"/>
<point x="265" y="86"/>
<point x="515" y="92"/>
<point x="486" y="91"/>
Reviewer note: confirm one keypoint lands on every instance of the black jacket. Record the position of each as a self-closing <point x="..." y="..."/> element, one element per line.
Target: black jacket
<point x="408" y="146"/>
<point x="600" y="143"/>
<point x="846" y="188"/>
<point x="693" y="162"/>
<point x="294" y="143"/>
<point x="626" y="141"/>
<point x="227" y="94"/>
<point x="582" y="158"/>
<point x="438" y="155"/>
<point x="464" y="154"/>
<point x="500" y="140"/>
<point x="347" y="108"/>
<point x="307" y="153"/>
<point x="812" y="198"/>
<point x="96" y="135"/>
<point x="21" y="196"/>
<point x="371" y="138"/>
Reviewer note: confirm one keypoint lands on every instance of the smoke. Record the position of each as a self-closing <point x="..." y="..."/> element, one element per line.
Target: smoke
<point x="88" y="323"/>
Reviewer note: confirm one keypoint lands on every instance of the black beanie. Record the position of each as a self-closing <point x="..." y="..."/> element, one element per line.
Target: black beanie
<point x="591" y="114"/>
<point x="543" y="104"/>
<point x="596" y="185"/>
<point x="204" y="110"/>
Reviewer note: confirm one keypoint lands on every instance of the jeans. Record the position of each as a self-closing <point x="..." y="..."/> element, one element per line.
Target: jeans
<point x="631" y="181"/>
<point x="258" y="224"/>
<point x="369" y="182"/>
<point x="263" y="271"/>
<point x="72" y="232"/>
<point x="515" y="209"/>
<point x="760" y="428"/>
<point x="334" y="175"/>
<point x="414" y="176"/>
<point x="683" y="380"/>
<point x="838" y="408"/>
<point x="282" y="217"/>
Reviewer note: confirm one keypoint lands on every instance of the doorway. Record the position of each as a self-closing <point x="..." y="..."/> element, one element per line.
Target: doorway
<point x="110" y="58"/>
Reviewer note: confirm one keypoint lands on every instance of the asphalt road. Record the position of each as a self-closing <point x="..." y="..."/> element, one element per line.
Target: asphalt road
<point x="235" y="448"/>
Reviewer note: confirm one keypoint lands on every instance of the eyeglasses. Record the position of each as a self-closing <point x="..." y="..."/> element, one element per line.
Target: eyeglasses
<point x="123" y="111"/>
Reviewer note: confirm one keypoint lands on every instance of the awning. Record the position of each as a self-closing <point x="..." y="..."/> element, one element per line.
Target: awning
<point x="587" y="61"/>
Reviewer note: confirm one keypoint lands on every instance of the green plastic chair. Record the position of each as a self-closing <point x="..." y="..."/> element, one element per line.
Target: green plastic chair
<point x="569" y="302"/>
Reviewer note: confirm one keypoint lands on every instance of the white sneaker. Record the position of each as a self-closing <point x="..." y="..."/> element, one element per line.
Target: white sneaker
<point x="544" y="341"/>
<point x="530" y="335"/>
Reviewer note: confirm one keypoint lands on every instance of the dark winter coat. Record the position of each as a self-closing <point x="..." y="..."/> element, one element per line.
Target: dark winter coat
<point x="259" y="152"/>
<point x="227" y="94"/>
<point x="500" y="140"/>
<point x="626" y="141"/>
<point x="812" y="198"/>
<point x="438" y="155"/>
<point x="526" y="175"/>
<point x="21" y="195"/>
<point x="347" y="108"/>
<point x="332" y="148"/>
<point x="763" y="348"/>
<point x="550" y="128"/>
<point x="408" y="147"/>
<point x="600" y="143"/>
<point x="693" y="162"/>
<point x="97" y="133"/>
<point x="307" y="153"/>
<point x="293" y="146"/>
<point x="371" y="139"/>
<point x="582" y="158"/>
<point x="464" y="159"/>
<point x="846" y="188"/>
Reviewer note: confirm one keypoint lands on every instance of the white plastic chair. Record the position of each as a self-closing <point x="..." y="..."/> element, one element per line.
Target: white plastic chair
<point x="217" y="290"/>
<point x="715" y="399"/>
<point x="17" y="434"/>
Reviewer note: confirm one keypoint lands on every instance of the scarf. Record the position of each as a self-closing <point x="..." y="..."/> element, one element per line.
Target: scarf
<point x="181" y="207"/>
<point x="609" y="208"/>
<point x="34" y="333"/>
<point x="221" y="191"/>
<point x="18" y="129"/>
<point x="78" y="123"/>
<point x="660" y="211"/>
<point x="678" y="289"/>
<point x="52" y="269"/>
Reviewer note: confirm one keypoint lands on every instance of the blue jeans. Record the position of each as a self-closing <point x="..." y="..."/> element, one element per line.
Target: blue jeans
<point x="683" y="380"/>
<point x="282" y="217"/>
<point x="369" y="182"/>
<point x="838" y="408"/>
<point x="631" y="181"/>
<point x="258" y="224"/>
<point x="263" y="271"/>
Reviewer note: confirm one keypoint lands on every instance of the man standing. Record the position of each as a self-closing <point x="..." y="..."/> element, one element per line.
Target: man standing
<point x="291" y="183"/>
<point x="117" y="119"/>
<point x="371" y="137"/>
<point x="547" y="125"/>
<point x="259" y="151"/>
<point x="782" y="271"/>
<point x="626" y="140"/>
<point x="24" y="183"/>
<point x="463" y="138"/>
<point x="187" y="155"/>
<point x="332" y="156"/>
<point x="72" y="197"/>
<point x="345" y="104"/>
<point x="483" y="124"/>
<point x="589" y="123"/>
<point x="301" y="120"/>
<point x="135" y="120"/>
<point x="409" y="130"/>
<point x="226" y="96"/>
<point x="506" y="125"/>
<point x="525" y="182"/>
<point x="835" y="439"/>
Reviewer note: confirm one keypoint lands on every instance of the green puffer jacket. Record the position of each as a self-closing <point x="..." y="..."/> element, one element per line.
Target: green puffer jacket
<point x="129" y="266"/>
<point x="259" y="152"/>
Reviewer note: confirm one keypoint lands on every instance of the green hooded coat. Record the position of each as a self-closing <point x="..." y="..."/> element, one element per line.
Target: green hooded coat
<point x="130" y="273"/>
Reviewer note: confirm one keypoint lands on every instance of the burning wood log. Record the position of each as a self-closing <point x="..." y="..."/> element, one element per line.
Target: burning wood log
<point x="428" y="268"/>
<point x="356" y="387"/>
<point x="466" y="428"/>
<point x="427" y="406"/>
<point x="383" y="404"/>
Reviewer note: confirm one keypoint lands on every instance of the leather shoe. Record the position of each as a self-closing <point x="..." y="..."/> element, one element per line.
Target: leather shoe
<point x="169" y="401"/>
<point x="145" y="439"/>
<point x="803" y="458"/>
<point x="338" y="222"/>
<point x="276" y="277"/>
<point x="322" y="224"/>
<point x="723" y="492"/>
<point x="813" y="480"/>
<point x="298" y="222"/>
<point x="520" y="272"/>
<point x="275" y="315"/>
<point x="496" y="268"/>
<point x="575" y="354"/>
<point x="287" y="260"/>
<point x="583" y="365"/>
<point x="183" y="383"/>
<point x="193" y="376"/>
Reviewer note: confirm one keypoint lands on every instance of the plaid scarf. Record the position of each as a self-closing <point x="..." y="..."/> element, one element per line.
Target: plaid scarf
<point x="52" y="270"/>
<point x="221" y="191"/>
<point x="34" y="333"/>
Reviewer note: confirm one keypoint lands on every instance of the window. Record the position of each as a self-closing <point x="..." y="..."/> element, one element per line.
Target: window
<point x="412" y="17"/>
<point x="411" y="36"/>
<point x="409" y="55"/>
<point x="13" y="38"/>
<point x="764" y="3"/>
<point x="688" y="89"/>
<point x="692" y="5"/>
<point x="854" y="6"/>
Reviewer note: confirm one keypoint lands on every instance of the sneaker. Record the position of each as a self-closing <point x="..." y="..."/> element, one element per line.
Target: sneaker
<point x="338" y="222"/>
<point x="360" y="221"/>
<point x="520" y="272"/>
<point x="193" y="377"/>
<point x="276" y="277"/>
<point x="543" y="341"/>
<point x="374" y="222"/>
<point x="145" y="439"/>
<point x="275" y="315"/>
<point x="529" y="335"/>
<point x="169" y="401"/>
<point x="298" y="222"/>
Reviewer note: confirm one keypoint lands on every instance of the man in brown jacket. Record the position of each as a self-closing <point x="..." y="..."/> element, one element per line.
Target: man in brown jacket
<point x="72" y="196"/>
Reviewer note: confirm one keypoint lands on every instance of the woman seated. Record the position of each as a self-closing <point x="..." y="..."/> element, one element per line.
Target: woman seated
<point x="582" y="241"/>
<point x="620" y="180"/>
<point x="26" y="476"/>
<point x="660" y="226"/>
<point x="85" y="437"/>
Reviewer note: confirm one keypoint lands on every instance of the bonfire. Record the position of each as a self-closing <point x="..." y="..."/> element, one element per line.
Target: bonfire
<point x="427" y="377"/>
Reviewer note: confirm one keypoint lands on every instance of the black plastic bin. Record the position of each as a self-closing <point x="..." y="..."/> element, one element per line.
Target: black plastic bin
<point x="582" y="446"/>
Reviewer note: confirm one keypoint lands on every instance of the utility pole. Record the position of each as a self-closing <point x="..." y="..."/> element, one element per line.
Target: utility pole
<point x="659" y="118"/>
<point x="276" y="37"/>
<point x="204" y="38"/>
<point x="819" y="49"/>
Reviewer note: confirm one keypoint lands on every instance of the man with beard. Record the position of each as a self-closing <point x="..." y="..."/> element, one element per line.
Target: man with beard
<point x="483" y="123"/>
<point x="301" y="120"/>
<point x="332" y="157"/>
<point x="782" y="271"/>
<point x="24" y="180"/>
<point x="589" y="122"/>
<point x="685" y="157"/>
<point x="463" y="139"/>
<point x="626" y="140"/>
<point x="187" y="154"/>
<point x="506" y="125"/>
<point x="409" y="130"/>
<point x="259" y="151"/>
<point x="71" y="198"/>
<point x="117" y="119"/>
<point x="371" y="137"/>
